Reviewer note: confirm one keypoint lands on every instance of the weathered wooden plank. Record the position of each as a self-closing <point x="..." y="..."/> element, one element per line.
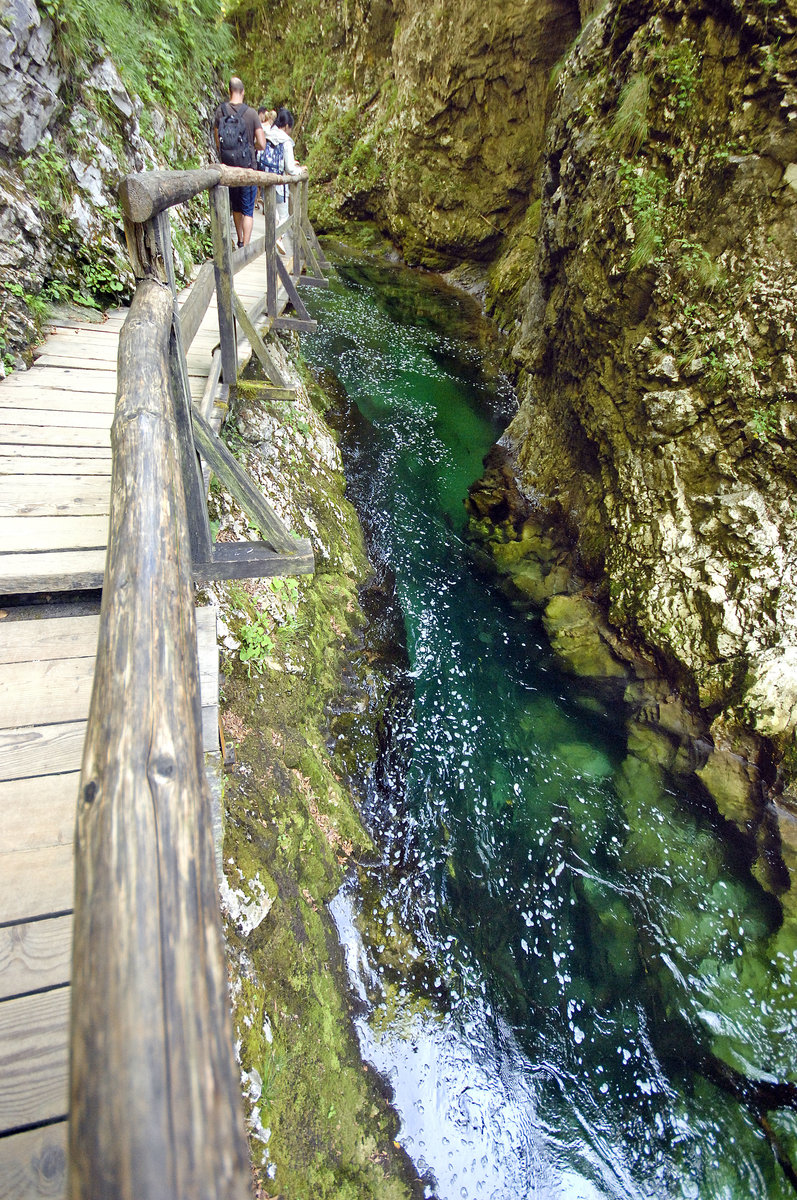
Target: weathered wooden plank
<point x="38" y="693"/>
<point x="41" y="750"/>
<point x="33" y="1058"/>
<point x="65" y="418"/>
<point x="65" y="378"/>
<point x="52" y="571"/>
<point x="33" y="1164"/>
<point x="59" y="401"/>
<point x="255" y="560"/>
<point x="100" y="351"/>
<point x="38" y="811"/>
<point x="102" y="454"/>
<point x="67" y="361"/>
<point x="36" y="638"/>
<point x="35" y="955"/>
<point x="30" y="465"/>
<point x="53" y="533"/>
<point x="194" y="307"/>
<point x="46" y="496"/>
<point x="154" y="1088"/>
<point x="36" y="883"/>
<point x="54" y="435"/>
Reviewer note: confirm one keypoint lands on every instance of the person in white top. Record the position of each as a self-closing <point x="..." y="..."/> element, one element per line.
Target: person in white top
<point x="280" y="135"/>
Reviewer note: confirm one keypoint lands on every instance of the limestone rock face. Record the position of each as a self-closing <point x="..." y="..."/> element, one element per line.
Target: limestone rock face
<point x="455" y="93"/>
<point x="67" y="136"/>
<point x="30" y="79"/>
<point x="658" y="420"/>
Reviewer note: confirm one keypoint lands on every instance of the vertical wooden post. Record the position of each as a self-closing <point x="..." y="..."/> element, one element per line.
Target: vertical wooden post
<point x="296" y="227"/>
<point x="222" y="262"/>
<point x="270" y="213"/>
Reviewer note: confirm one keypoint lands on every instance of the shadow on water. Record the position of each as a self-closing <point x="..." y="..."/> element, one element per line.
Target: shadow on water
<point x="555" y="942"/>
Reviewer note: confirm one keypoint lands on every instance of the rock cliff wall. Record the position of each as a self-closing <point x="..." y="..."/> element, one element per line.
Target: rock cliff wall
<point x="70" y="128"/>
<point x="627" y="173"/>
<point x="650" y="470"/>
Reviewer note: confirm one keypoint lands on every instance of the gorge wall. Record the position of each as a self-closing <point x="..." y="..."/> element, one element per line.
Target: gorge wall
<point x="627" y="180"/>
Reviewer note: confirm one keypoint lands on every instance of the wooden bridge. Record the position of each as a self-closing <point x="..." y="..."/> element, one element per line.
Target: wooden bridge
<point x="108" y="894"/>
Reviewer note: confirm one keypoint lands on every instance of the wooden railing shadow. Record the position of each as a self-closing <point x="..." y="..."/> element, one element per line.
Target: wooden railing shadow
<point x="155" y="1107"/>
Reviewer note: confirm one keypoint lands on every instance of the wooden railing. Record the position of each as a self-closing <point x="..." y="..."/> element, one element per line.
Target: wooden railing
<point x="155" y="1107"/>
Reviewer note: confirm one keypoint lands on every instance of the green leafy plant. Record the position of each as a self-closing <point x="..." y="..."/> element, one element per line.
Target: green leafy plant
<point x="257" y="644"/>
<point x="764" y="423"/>
<point x="681" y="69"/>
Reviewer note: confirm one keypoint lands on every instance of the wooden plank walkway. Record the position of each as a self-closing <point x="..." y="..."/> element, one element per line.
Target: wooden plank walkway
<point x="46" y="675"/>
<point x="55" y="450"/>
<point x="55" y="474"/>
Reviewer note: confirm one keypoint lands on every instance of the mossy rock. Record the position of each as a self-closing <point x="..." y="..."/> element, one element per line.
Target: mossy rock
<point x="573" y="625"/>
<point x="735" y="787"/>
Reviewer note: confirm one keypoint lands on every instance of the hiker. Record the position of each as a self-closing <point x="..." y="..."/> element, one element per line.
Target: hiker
<point x="239" y="135"/>
<point x="279" y="154"/>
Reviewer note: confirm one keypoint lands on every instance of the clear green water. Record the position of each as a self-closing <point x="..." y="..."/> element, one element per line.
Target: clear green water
<point x="556" y="942"/>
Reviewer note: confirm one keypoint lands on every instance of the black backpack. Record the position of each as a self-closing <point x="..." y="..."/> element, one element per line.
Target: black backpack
<point x="235" y="144"/>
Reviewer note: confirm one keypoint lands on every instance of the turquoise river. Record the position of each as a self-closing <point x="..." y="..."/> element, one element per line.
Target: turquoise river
<point x="558" y="952"/>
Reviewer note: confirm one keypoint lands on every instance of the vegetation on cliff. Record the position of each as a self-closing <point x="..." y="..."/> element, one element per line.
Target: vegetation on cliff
<point x="91" y="92"/>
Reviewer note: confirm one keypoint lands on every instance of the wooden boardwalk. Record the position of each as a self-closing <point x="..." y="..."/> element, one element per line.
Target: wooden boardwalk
<point x="55" y="449"/>
<point x="55" y="474"/>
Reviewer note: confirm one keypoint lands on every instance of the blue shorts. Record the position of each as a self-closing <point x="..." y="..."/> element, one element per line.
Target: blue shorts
<point x="242" y="200"/>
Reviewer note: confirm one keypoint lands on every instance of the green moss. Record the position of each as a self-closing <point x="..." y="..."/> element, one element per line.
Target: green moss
<point x="291" y="822"/>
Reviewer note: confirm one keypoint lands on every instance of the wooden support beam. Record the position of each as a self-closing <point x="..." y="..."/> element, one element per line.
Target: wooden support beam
<point x="256" y="560"/>
<point x="155" y="1105"/>
<point x="211" y="385"/>
<point x="265" y="392"/>
<point x="313" y="266"/>
<point x="258" y="345"/>
<point x="290" y="288"/>
<point x="146" y="193"/>
<point x="270" y="214"/>
<point x="245" y="254"/>
<point x="296" y="324"/>
<point x="196" y="305"/>
<point x="296" y="229"/>
<point x="251" y="500"/>
<point x="311" y="234"/>
<point x="313" y="281"/>
<point x="193" y="484"/>
<point x="220" y="227"/>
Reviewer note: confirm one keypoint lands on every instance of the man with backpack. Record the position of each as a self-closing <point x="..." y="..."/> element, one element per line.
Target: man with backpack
<point x="239" y="135"/>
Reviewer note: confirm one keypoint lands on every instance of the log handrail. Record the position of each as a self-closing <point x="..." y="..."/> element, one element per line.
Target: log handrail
<point x="155" y="1100"/>
<point x="155" y="1107"/>
<point x="144" y="194"/>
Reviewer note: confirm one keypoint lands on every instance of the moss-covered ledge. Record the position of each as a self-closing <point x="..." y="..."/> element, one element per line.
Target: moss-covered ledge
<point x="296" y="672"/>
